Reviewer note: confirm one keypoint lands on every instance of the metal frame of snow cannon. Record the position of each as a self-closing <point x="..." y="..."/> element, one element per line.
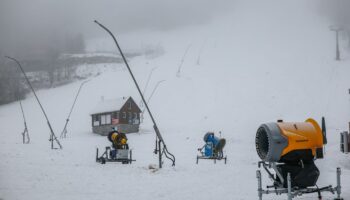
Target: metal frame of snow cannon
<point x="125" y="157"/>
<point x="291" y="192"/>
<point x="214" y="155"/>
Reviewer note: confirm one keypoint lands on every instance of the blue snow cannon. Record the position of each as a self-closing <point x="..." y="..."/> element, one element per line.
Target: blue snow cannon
<point x="213" y="148"/>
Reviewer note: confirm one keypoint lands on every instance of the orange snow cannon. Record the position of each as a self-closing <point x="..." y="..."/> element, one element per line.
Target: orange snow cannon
<point x="290" y="141"/>
<point x="289" y="149"/>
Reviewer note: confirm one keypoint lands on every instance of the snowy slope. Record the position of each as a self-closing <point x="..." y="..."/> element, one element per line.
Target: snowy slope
<point x="252" y="69"/>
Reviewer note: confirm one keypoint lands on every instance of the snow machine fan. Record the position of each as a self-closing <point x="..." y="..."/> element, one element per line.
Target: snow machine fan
<point x="213" y="148"/>
<point x="118" y="152"/>
<point x="290" y="148"/>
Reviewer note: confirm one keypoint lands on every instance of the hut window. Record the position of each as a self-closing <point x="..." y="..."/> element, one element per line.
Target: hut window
<point x="108" y="119"/>
<point x="105" y="119"/>
<point x="129" y="105"/>
<point x="115" y="115"/>
<point x="95" y="120"/>
<point x="136" y="119"/>
<point x="124" y="115"/>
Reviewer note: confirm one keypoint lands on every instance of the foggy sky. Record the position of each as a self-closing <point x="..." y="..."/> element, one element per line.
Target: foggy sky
<point x="29" y="25"/>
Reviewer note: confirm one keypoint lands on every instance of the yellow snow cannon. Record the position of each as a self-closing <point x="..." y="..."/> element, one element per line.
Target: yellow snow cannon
<point x="118" y="139"/>
<point x="290" y="141"/>
<point x="118" y="152"/>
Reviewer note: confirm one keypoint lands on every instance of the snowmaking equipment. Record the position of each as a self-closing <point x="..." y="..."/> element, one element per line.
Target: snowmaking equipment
<point x="290" y="149"/>
<point x="213" y="148"/>
<point x="118" y="152"/>
<point x="161" y="148"/>
<point x="64" y="131"/>
<point x="52" y="133"/>
<point x="25" y="133"/>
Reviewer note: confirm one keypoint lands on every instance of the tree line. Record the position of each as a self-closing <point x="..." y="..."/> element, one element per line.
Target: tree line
<point x="44" y="63"/>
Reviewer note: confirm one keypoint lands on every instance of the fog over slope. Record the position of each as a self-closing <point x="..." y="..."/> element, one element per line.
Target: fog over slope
<point x="28" y="24"/>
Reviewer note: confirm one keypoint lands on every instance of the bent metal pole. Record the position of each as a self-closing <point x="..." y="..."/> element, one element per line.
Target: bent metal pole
<point x="64" y="131"/>
<point x="155" y="127"/>
<point x="52" y="134"/>
<point x="25" y="133"/>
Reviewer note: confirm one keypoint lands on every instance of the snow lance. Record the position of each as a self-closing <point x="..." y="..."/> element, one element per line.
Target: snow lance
<point x="64" y="131"/>
<point x="290" y="148"/>
<point x="213" y="148"/>
<point x="161" y="148"/>
<point x="25" y="133"/>
<point x="52" y="133"/>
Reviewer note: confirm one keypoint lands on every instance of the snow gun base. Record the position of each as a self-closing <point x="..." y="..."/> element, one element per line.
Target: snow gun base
<point x="115" y="155"/>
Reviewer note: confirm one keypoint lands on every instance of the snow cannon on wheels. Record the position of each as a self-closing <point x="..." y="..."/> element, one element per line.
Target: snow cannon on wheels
<point x="213" y="148"/>
<point x="290" y="149"/>
<point x="118" y="152"/>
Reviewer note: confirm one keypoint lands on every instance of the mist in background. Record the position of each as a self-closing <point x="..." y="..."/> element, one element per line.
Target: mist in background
<point x="31" y="28"/>
<point x="34" y="28"/>
<point x="41" y="33"/>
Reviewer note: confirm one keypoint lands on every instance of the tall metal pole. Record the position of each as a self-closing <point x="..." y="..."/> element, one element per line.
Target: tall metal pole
<point x="148" y="79"/>
<point x="25" y="131"/>
<point x="258" y="176"/>
<point x="182" y="61"/>
<point x="155" y="127"/>
<point x="289" y="186"/>
<point x="338" y="184"/>
<point x="154" y="90"/>
<point x="337" y="45"/>
<point x="336" y="29"/>
<point x="52" y="135"/>
<point x="64" y="131"/>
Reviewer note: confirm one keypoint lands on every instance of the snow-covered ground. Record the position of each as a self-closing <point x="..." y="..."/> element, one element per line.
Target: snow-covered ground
<point x="240" y="71"/>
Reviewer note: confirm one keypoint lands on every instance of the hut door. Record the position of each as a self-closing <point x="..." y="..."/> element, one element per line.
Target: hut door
<point x="130" y="118"/>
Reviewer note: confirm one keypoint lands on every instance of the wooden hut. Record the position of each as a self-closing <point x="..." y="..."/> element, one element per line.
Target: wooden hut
<point x="122" y="113"/>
